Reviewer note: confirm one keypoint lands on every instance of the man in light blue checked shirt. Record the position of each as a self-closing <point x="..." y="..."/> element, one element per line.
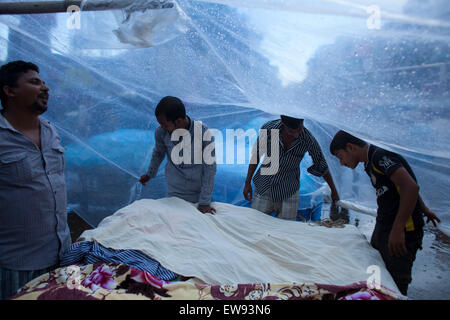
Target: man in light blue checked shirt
<point x="189" y="174"/>
<point x="33" y="220"/>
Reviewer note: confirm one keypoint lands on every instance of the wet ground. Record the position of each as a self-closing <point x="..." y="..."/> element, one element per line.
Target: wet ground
<point x="431" y="270"/>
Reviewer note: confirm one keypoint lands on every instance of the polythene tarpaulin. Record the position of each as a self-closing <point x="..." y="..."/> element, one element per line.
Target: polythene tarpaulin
<point x="377" y="69"/>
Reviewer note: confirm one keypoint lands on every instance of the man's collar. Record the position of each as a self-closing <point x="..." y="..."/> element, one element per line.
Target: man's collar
<point x="279" y="124"/>
<point x="4" y="123"/>
<point x="191" y="123"/>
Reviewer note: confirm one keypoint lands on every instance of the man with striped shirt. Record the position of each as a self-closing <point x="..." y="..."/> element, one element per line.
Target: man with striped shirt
<point x="277" y="187"/>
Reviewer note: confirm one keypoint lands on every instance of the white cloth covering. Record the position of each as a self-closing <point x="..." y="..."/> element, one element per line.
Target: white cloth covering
<point x="240" y="245"/>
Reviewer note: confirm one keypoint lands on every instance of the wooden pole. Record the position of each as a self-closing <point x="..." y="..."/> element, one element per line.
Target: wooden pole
<point x="62" y="6"/>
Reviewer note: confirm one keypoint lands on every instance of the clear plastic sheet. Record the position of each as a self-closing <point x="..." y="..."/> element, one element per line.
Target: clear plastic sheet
<point x="377" y="69"/>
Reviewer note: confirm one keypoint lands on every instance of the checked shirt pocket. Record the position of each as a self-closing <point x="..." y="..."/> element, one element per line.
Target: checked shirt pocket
<point x="14" y="168"/>
<point x="55" y="159"/>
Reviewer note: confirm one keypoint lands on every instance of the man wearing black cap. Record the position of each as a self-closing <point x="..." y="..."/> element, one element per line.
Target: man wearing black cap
<point x="278" y="190"/>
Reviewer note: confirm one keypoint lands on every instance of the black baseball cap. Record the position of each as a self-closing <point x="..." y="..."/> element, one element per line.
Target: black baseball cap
<point x="292" y="123"/>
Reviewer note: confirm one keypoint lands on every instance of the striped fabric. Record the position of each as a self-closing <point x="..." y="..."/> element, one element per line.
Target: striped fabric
<point x="89" y="252"/>
<point x="286" y="181"/>
<point x="13" y="280"/>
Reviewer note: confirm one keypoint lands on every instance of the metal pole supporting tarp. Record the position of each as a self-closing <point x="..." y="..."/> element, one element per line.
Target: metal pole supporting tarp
<point x="63" y="5"/>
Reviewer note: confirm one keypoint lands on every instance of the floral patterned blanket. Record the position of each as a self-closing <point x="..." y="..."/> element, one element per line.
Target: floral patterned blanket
<point x="111" y="281"/>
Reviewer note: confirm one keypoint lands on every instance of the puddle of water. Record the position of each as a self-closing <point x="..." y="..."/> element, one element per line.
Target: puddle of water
<point x="431" y="270"/>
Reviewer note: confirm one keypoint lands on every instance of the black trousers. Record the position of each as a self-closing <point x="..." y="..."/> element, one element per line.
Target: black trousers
<point x="399" y="267"/>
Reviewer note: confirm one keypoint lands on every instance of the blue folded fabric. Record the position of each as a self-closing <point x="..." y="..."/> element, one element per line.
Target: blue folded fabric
<point x="90" y="252"/>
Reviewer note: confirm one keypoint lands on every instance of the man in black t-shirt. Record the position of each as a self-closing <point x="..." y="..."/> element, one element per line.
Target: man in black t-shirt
<point x="399" y="225"/>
